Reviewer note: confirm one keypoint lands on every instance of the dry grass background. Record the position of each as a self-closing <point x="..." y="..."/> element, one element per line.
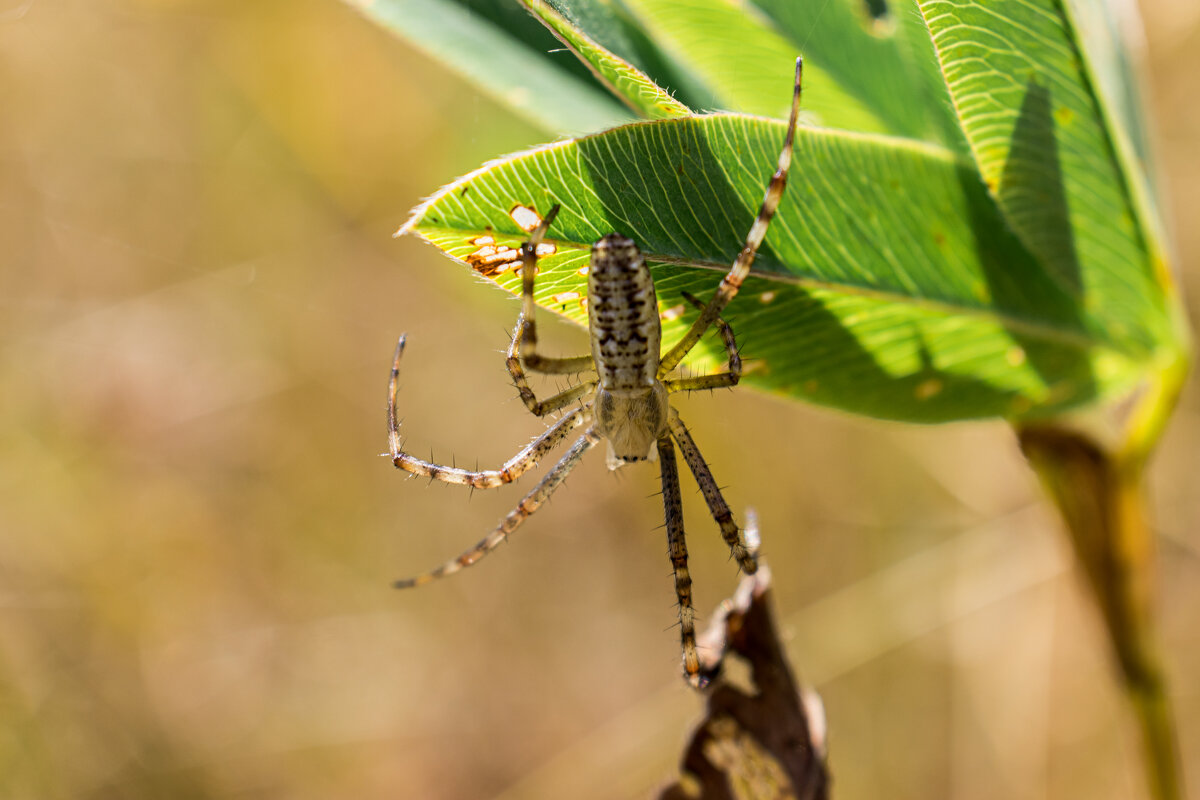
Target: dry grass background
<point x="198" y="301"/>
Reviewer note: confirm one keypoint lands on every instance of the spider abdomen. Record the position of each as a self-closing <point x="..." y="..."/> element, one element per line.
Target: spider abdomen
<point x="622" y="315"/>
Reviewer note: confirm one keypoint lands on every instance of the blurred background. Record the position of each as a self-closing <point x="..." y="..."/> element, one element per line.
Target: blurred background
<point x="199" y="296"/>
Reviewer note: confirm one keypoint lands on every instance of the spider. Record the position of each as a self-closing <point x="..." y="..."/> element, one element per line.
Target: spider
<point x="623" y="398"/>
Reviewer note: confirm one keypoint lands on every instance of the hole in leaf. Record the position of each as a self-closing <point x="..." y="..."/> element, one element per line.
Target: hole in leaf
<point x="877" y="9"/>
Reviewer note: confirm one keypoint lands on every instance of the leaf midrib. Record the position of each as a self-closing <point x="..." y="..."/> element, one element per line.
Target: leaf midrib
<point x="1035" y="328"/>
<point x="1009" y="321"/>
<point x="1087" y="340"/>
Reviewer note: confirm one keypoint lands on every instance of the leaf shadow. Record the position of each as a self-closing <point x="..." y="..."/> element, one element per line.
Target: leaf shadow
<point x="1030" y="205"/>
<point x="693" y="210"/>
<point x="1031" y="191"/>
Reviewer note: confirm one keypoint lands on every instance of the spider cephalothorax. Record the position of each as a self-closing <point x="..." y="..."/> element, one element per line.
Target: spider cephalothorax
<point x="623" y="398"/>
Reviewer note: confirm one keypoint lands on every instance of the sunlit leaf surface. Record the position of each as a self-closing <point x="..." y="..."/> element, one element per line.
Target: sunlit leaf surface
<point x="623" y="79"/>
<point x="888" y="285"/>
<point x="740" y="58"/>
<point x="886" y="62"/>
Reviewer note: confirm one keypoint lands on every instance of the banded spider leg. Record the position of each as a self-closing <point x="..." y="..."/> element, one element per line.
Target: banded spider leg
<point x="623" y="395"/>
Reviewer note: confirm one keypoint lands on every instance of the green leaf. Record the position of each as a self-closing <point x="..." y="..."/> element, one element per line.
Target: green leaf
<point x="860" y="74"/>
<point x="505" y="58"/>
<point x="742" y="59"/>
<point x="1109" y="33"/>
<point x="640" y="93"/>
<point x="1053" y="159"/>
<point x="885" y="62"/>
<point x="888" y="285"/>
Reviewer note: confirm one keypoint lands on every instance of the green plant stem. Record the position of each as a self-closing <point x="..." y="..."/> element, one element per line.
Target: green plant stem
<point x="1100" y="494"/>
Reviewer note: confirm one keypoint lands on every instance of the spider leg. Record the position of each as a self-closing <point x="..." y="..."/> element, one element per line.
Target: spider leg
<point x="526" y="337"/>
<point x="479" y="479"/>
<point x="741" y="266"/>
<point x="721" y="379"/>
<point x="540" y="407"/>
<point x="677" y="546"/>
<point x="524" y="509"/>
<point x="712" y="495"/>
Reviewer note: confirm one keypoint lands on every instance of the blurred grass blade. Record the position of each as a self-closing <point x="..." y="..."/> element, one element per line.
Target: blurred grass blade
<point x="646" y="98"/>
<point x="502" y="64"/>
<point x="888" y="285"/>
<point x="991" y="563"/>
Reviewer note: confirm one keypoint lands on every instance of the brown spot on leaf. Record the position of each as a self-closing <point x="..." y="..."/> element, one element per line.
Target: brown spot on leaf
<point x="928" y="388"/>
<point x="489" y="261"/>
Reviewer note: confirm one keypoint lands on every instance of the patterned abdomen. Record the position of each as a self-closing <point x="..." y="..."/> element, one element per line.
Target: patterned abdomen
<point x="623" y="315"/>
